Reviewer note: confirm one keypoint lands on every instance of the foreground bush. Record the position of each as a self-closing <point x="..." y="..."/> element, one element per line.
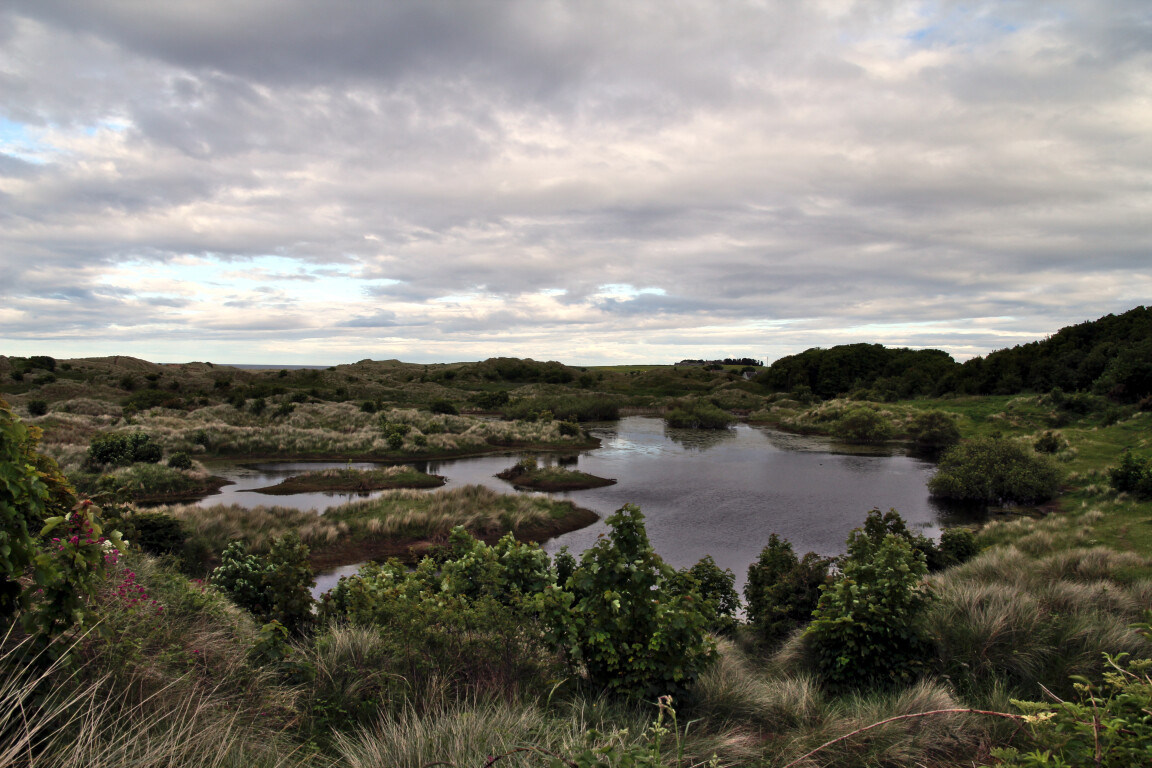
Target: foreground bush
<point x="782" y="590"/>
<point x="275" y="587"/>
<point x="1133" y="475"/>
<point x="623" y="617"/>
<point x="867" y="629"/>
<point x="993" y="471"/>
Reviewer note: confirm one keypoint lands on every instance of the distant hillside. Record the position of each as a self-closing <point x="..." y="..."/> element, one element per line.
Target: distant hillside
<point x="1111" y="356"/>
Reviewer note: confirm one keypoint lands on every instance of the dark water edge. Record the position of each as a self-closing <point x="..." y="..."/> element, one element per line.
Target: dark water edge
<point x="703" y="492"/>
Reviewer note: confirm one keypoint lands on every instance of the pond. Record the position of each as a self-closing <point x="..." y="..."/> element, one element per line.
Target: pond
<point x="703" y="492"/>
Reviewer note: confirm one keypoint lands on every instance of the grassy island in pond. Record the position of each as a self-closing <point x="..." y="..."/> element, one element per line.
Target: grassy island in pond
<point x="396" y="524"/>
<point x="352" y="480"/>
<point x="526" y="474"/>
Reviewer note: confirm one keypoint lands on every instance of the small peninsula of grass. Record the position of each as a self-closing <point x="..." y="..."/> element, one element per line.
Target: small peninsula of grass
<point x="528" y="475"/>
<point x="402" y="523"/>
<point x="352" y="480"/>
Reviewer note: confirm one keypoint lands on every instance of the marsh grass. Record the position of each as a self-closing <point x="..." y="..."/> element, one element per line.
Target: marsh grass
<point x="148" y="687"/>
<point x="413" y="514"/>
<point x="1015" y="619"/>
<point x="404" y="514"/>
<point x="220" y="524"/>
<point x="347" y="479"/>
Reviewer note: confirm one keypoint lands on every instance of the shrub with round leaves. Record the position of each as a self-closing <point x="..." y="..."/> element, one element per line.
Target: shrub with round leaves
<point x="621" y="615"/>
<point x="866" y="630"/>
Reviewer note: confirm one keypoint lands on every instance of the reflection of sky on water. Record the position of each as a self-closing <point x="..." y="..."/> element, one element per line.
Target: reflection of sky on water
<point x="717" y="492"/>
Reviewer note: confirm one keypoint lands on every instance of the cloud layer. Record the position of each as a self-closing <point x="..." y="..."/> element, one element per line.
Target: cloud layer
<point x="294" y="181"/>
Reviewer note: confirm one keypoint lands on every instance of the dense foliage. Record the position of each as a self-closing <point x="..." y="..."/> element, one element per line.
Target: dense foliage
<point x="698" y="414"/>
<point x="45" y="533"/>
<point x="273" y="587"/>
<point x="120" y="448"/>
<point x="624" y="615"/>
<point x="1107" y="726"/>
<point x="1133" y="475"/>
<point x="892" y="373"/>
<point x="867" y="628"/>
<point x="783" y="590"/>
<point x="1111" y="356"/>
<point x="993" y="470"/>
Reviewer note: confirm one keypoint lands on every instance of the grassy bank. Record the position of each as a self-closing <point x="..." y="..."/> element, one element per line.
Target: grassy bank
<point x="395" y="524"/>
<point x="550" y="479"/>
<point x="351" y="480"/>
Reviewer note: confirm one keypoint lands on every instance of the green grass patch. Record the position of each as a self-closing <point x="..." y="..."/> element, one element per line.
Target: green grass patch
<point x="352" y="480"/>
<point x="552" y="478"/>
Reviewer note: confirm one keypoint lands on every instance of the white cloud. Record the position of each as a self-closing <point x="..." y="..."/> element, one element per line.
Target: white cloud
<point x="590" y="182"/>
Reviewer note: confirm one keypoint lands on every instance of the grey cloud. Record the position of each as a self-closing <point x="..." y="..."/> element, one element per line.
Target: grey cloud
<point x="758" y="162"/>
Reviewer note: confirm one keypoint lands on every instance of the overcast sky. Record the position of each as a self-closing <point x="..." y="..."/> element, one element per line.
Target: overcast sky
<point x="295" y="181"/>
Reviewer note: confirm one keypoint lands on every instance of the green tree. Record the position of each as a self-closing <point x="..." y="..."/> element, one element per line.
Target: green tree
<point x="993" y="470"/>
<point x="866" y="630"/>
<point x="623" y="618"/>
<point x="782" y="590"/>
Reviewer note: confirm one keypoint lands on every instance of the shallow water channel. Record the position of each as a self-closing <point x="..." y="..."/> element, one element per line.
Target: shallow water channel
<point x="703" y="492"/>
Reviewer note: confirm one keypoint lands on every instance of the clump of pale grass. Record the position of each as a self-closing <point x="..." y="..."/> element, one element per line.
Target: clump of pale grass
<point x="934" y="740"/>
<point x="257" y="526"/>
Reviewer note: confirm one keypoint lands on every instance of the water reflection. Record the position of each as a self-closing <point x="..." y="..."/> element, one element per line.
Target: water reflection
<point x="717" y="492"/>
<point x="698" y="439"/>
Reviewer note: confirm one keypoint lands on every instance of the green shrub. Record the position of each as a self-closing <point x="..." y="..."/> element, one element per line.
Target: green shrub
<point x="1133" y="475"/>
<point x="958" y="546"/>
<point x="37" y="407"/>
<point x="1050" y="442"/>
<point x="699" y="415"/>
<point x="156" y="533"/>
<point x="445" y="407"/>
<point x="718" y="589"/>
<point x="1108" y="726"/>
<point x="180" y="460"/>
<point x="569" y="429"/>
<point x="272" y="587"/>
<point x="933" y="431"/>
<point x="866" y="630"/>
<point x="120" y="449"/>
<point x="782" y="591"/>
<point x="863" y="425"/>
<point x="992" y="470"/>
<point x="490" y="401"/>
<point x="623" y="619"/>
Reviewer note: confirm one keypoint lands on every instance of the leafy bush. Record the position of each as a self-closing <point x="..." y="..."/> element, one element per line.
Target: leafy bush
<point x="180" y="460"/>
<point x="1050" y="442"/>
<point x="863" y="425"/>
<point x="622" y="617"/>
<point x="699" y="415"/>
<point x="957" y="546"/>
<point x="932" y="431"/>
<point x="993" y="470"/>
<point x="272" y="587"/>
<point x="445" y="407"/>
<point x="781" y="590"/>
<point x="718" y="589"/>
<point x="866" y="630"/>
<point x="120" y="449"/>
<point x="1134" y="475"/>
<point x="569" y="429"/>
<point x="48" y="574"/>
<point x="37" y="407"/>
<point x="1106" y="727"/>
<point x="490" y="401"/>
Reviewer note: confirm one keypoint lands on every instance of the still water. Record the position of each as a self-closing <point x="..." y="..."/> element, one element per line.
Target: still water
<point x="703" y="492"/>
